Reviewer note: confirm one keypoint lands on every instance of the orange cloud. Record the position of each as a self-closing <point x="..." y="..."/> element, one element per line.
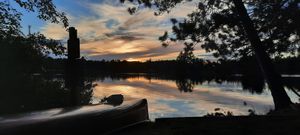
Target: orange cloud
<point x="112" y="33"/>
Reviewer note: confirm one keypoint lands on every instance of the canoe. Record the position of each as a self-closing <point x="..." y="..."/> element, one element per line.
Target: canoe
<point x="100" y="119"/>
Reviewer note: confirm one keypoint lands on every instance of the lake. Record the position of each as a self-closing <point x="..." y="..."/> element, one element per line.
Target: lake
<point x="167" y="99"/>
<point x="167" y="96"/>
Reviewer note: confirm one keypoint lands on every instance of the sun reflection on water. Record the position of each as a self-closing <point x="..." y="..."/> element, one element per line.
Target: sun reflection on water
<point x="165" y="100"/>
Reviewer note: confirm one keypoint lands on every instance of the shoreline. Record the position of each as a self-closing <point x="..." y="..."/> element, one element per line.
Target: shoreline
<point x="228" y="125"/>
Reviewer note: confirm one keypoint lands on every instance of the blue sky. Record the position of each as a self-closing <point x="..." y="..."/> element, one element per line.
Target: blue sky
<point x="108" y="31"/>
<point x="73" y="7"/>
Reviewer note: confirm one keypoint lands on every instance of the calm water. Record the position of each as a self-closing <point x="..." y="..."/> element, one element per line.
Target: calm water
<point x="167" y="97"/>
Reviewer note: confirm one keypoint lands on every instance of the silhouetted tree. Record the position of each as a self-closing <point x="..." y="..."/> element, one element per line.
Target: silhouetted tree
<point x="21" y="55"/>
<point x="10" y="17"/>
<point x="230" y="30"/>
<point x="27" y="50"/>
<point x="187" y="54"/>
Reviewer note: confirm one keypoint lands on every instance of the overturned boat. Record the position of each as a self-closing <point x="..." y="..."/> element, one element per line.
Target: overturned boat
<point x="102" y="119"/>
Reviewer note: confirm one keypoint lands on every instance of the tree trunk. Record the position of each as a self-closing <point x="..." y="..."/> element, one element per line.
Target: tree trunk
<point x="274" y="80"/>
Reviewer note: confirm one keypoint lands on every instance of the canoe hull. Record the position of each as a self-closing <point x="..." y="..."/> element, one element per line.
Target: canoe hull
<point x="102" y="119"/>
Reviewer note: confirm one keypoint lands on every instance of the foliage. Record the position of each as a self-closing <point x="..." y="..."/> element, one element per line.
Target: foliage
<point x="25" y="93"/>
<point x="25" y="52"/>
<point x="219" y="113"/>
<point x="10" y="17"/>
<point x="187" y="54"/>
<point x="216" y="26"/>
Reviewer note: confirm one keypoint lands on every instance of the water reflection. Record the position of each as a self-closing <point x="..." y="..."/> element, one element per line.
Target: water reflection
<point x="185" y="85"/>
<point x="25" y="93"/>
<point x="167" y="96"/>
<point x="199" y="98"/>
<point x="80" y="87"/>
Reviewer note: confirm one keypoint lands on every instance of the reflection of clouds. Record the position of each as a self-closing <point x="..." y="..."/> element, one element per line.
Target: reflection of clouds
<point x="165" y="100"/>
<point x="158" y="109"/>
<point x="232" y="100"/>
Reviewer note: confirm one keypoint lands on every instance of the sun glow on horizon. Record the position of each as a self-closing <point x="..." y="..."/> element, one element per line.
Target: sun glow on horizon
<point x="132" y="60"/>
<point x="109" y="32"/>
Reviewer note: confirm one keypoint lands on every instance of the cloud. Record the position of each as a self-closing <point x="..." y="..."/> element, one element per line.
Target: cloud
<point x="110" y="32"/>
<point x="54" y="31"/>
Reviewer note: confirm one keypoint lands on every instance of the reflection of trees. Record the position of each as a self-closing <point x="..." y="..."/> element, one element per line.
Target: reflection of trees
<point x="26" y="93"/>
<point x="253" y="84"/>
<point x="292" y="83"/>
<point x="81" y="88"/>
<point x="256" y="84"/>
<point x="22" y="93"/>
<point x="185" y="85"/>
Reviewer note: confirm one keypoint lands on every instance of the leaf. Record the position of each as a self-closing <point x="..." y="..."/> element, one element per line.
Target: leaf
<point x="164" y="37"/>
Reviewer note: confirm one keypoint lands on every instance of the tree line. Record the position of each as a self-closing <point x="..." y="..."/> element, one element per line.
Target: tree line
<point x="198" y="67"/>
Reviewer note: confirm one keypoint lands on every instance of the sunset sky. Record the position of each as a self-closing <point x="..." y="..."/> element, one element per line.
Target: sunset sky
<point x="108" y="31"/>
